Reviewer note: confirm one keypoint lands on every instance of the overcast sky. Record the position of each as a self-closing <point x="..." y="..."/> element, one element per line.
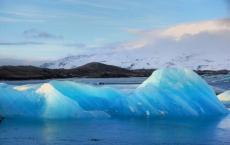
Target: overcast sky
<point x="51" y="29"/>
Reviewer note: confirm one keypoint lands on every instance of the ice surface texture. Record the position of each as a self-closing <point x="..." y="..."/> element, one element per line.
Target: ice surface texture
<point x="168" y="92"/>
<point x="225" y="98"/>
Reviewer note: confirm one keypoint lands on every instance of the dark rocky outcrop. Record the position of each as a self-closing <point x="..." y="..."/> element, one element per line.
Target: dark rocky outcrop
<point x="90" y="70"/>
<point x="212" y="72"/>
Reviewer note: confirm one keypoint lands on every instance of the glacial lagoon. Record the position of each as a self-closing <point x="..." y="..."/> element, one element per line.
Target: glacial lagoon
<point x="118" y="131"/>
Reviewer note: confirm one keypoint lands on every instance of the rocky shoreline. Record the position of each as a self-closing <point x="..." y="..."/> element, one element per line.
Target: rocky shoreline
<point x="90" y="70"/>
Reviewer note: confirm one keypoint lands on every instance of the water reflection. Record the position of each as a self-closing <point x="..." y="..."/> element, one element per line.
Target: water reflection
<point x="116" y="131"/>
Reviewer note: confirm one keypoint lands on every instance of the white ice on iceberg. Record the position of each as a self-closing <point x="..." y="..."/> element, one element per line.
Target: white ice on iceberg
<point x="225" y="97"/>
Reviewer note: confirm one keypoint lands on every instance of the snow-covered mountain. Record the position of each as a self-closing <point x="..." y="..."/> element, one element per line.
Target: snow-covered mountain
<point x="190" y="61"/>
<point x="203" y="45"/>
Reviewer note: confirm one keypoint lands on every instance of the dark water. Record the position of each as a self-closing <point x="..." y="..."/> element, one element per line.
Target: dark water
<point x="116" y="132"/>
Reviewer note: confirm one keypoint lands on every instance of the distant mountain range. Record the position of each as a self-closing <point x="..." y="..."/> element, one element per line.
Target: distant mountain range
<point x="192" y="61"/>
<point x="197" y="46"/>
<point x="90" y="70"/>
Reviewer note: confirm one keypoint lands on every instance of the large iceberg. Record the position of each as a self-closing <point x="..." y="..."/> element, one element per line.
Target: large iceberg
<point x="179" y="92"/>
<point x="169" y="92"/>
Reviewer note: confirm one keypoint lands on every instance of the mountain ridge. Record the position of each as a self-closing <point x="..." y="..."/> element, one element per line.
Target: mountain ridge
<point x="145" y="61"/>
<point x="90" y="70"/>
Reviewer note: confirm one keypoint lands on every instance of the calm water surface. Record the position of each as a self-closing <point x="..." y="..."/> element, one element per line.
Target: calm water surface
<point x="116" y="132"/>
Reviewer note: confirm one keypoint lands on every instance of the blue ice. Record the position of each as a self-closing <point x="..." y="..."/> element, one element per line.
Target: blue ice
<point x="168" y="92"/>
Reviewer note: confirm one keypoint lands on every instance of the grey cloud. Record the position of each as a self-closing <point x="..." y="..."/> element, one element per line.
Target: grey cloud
<point x="34" y="33"/>
<point x="16" y="62"/>
<point x="211" y="44"/>
<point x="22" y="43"/>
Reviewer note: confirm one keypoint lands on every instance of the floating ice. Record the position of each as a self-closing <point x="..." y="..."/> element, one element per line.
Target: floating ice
<point x="225" y="98"/>
<point x="179" y="92"/>
<point x="167" y="92"/>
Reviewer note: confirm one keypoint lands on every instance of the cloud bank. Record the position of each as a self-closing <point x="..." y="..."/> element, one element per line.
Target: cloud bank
<point x="179" y="33"/>
<point x="201" y="45"/>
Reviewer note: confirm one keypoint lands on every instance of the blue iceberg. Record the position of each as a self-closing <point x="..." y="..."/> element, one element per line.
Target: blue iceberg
<point x="168" y="92"/>
<point x="179" y="92"/>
